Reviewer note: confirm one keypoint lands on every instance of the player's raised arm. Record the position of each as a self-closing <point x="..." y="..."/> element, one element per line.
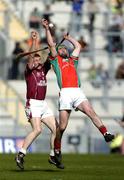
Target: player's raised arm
<point x="34" y="46"/>
<point x="49" y="37"/>
<point x="76" y="44"/>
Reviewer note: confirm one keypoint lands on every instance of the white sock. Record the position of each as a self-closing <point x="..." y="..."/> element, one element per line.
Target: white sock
<point x="106" y="133"/>
<point x="23" y="151"/>
<point x="52" y="152"/>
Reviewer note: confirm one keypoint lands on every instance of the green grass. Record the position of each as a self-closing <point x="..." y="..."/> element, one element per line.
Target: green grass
<point x="77" y="167"/>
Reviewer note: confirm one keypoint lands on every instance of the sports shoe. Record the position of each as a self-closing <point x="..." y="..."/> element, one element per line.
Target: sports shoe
<point x="108" y="137"/>
<point x="60" y="165"/>
<point x="52" y="160"/>
<point x="20" y="161"/>
<point x="58" y="159"/>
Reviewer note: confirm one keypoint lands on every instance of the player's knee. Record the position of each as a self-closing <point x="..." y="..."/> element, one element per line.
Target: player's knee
<point x="37" y="131"/>
<point x="62" y="129"/>
<point x="53" y="131"/>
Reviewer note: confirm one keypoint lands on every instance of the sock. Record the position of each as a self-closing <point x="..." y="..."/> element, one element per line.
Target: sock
<point x="52" y="152"/>
<point x="103" y="129"/>
<point x="22" y="151"/>
<point x="57" y="145"/>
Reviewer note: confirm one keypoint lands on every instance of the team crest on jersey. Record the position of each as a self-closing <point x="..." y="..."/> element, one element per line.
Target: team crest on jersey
<point x="42" y="83"/>
<point x="65" y="59"/>
<point x="38" y="74"/>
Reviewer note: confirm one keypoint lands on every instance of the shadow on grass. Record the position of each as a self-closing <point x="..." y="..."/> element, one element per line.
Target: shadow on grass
<point x="35" y="170"/>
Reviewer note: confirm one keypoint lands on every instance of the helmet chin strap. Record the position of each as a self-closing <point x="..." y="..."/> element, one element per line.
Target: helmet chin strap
<point x="64" y="56"/>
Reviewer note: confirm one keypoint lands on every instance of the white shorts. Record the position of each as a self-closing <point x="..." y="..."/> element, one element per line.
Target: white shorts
<point x="37" y="108"/>
<point x="71" y="98"/>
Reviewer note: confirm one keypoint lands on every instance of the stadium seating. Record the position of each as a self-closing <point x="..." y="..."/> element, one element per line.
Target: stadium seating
<point x="107" y="105"/>
<point x="16" y="28"/>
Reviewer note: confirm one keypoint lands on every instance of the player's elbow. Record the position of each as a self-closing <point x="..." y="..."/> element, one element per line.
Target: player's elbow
<point x="54" y="54"/>
<point x="53" y="51"/>
<point x="79" y="46"/>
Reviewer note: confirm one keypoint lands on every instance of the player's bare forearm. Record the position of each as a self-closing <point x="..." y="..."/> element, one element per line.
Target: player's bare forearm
<point x="73" y="41"/>
<point x="30" y="61"/>
<point x="48" y="33"/>
<point x="50" y="42"/>
<point x="76" y="44"/>
<point x="49" y="37"/>
<point x="34" y="41"/>
<point x="32" y="47"/>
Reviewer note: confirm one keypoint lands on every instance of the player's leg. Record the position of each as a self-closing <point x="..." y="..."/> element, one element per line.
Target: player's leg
<point x="50" y="122"/>
<point x="63" y="122"/>
<point x="36" y="130"/>
<point x="86" y="108"/>
<point x="65" y="107"/>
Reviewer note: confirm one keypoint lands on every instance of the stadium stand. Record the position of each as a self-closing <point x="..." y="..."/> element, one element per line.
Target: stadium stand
<point x="17" y="30"/>
<point x="107" y="101"/>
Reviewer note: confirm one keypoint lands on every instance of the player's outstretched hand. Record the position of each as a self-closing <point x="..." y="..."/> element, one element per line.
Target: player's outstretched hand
<point x="45" y="23"/>
<point x="66" y="36"/>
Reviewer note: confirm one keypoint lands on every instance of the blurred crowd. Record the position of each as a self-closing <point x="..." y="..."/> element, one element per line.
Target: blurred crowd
<point x="113" y="30"/>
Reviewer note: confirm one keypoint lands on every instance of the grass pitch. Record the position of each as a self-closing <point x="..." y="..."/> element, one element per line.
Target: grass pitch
<point x="77" y="167"/>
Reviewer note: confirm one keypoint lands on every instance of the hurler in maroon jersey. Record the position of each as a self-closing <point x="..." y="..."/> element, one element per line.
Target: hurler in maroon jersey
<point x="37" y="110"/>
<point x="36" y="80"/>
